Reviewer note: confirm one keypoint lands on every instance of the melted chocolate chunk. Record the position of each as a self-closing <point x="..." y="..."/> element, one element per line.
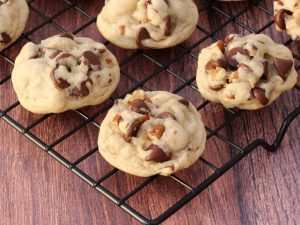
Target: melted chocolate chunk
<point x="232" y="52"/>
<point x="142" y="34"/>
<point x="59" y="83"/>
<point x="184" y="102"/>
<point x="259" y="94"/>
<point x="83" y="90"/>
<point x="217" y="87"/>
<point x="168" y="31"/>
<point x="134" y="127"/>
<point x="63" y="56"/>
<point x="92" y="60"/>
<point x="139" y="106"/>
<point x="279" y="18"/>
<point x="283" y="67"/>
<point x="5" y="38"/>
<point x="156" y="154"/>
<point x="67" y="35"/>
<point x="213" y="64"/>
<point x="165" y="115"/>
<point x="266" y="70"/>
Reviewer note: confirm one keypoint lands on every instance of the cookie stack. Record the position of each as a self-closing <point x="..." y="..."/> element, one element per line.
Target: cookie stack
<point x="158" y="132"/>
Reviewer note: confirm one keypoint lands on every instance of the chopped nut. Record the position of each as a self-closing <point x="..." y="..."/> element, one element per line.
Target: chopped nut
<point x="109" y="62"/>
<point x="117" y="119"/>
<point x="233" y="77"/>
<point x="156" y="131"/>
<point x="122" y="30"/>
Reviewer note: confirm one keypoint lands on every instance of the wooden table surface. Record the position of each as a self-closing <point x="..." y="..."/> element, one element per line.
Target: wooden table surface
<point x="261" y="189"/>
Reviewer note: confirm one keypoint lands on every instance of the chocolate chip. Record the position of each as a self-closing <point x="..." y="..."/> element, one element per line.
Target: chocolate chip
<point x="167" y="2"/>
<point x="156" y="154"/>
<point x="134" y="127"/>
<point x="148" y="2"/>
<point x="213" y="64"/>
<point x="245" y="67"/>
<point x="139" y="106"/>
<point x="232" y="52"/>
<point x="221" y="45"/>
<point x="184" y="102"/>
<point x="83" y="91"/>
<point x="142" y="34"/>
<point x="157" y="130"/>
<point x="59" y="83"/>
<point x="165" y="115"/>
<point x="92" y="60"/>
<point x="279" y="18"/>
<point x="54" y="54"/>
<point x="266" y="70"/>
<point x="5" y="38"/>
<point x="168" y="31"/>
<point x="63" y="56"/>
<point x="67" y="35"/>
<point x="283" y="66"/>
<point x="217" y="87"/>
<point x="259" y="94"/>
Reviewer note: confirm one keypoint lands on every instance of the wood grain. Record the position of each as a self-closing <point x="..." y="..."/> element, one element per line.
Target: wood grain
<point x="261" y="189"/>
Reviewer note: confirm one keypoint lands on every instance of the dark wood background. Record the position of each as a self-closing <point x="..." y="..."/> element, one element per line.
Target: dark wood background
<point x="262" y="189"/>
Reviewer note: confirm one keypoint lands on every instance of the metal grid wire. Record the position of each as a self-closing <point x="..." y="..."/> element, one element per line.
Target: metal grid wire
<point x="122" y="201"/>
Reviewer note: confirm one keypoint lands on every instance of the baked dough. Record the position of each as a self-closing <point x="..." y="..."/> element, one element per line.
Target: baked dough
<point x="247" y="72"/>
<point x="146" y="24"/>
<point x="64" y="72"/>
<point x="13" y="18"/>
<point x="150" y="133"/>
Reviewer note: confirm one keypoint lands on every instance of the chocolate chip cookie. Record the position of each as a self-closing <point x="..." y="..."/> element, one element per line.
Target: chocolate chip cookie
<point x="151" y="133"/>
<point x="287" y="17"/>
<point x="13" y="18"/>
<point x="146" y="24"/>
<point x="64" y="72"/>
<point x="247" y="72"/>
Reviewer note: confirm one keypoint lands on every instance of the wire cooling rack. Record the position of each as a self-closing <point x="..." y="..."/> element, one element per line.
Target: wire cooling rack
<point x="47" y="21"/>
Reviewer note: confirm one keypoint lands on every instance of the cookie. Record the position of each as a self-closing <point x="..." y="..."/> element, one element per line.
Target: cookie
<point x="150" y="133"/>
<point x="247" y="72"/>
<point x="287" y="17"/>
<point x="64" y="72"/>
<point x="147" y="24"/>
<point x="13" y="17"/>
